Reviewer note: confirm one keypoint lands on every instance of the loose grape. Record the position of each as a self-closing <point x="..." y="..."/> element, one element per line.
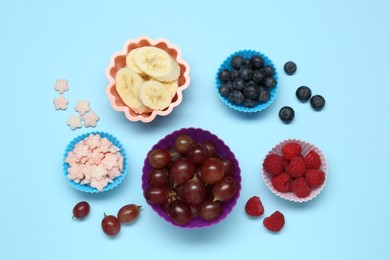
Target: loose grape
<point x="128" y="213"/>
<point x="81" y="209"/>
<point x="225" y="189"/>
<point x="194" y="192"/>
<point x="210" y="210"/>
<point x="158" y="177"/>
<point x="156" y="194"/>
<point x="182" y="170"/>
<point x="180" y="212"/>
<point x="212" y="171"/>
<point x="111" y="225"/>
<point x="183" y="142"/>
<point x="159" y="158"/>
<point x="197" y="153"/>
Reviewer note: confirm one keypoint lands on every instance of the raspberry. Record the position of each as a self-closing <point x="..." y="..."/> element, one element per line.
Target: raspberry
<point x="282" y="182"/>
<point x="314" y="178"/>
<point x="275" y="222"/>
<point x="273" y="164"/>
<point x="254" y="207"/>
<point x="312" y="160"/>
<point x="296" y="168"/>
<point x="300" y="188"/>
<point x="291" y="150"/>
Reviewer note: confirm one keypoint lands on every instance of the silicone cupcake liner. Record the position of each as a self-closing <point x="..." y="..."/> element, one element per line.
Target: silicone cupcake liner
<point x="118" y="61"/>
<point x="86" y="187"/>
<point x="226" y="65"/>
<point x="198" y="135"/>
<point x="306" y="147"/>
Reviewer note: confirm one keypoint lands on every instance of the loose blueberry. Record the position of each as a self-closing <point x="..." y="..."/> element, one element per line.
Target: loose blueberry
<point x="286" y="114"/>
<point x="303" y="93"/>
<point x="290" y="67"/>
<point x="258" y="76"/>
<point x="225" y="89"/>
<point x="234" y="74"/>
<point x="236" y="97"/>
<point x="237" y="62"/>
<point x="317" y="102"/>
<point x="250" y="102"/>
<point x="269" y="82"/>
<point x="268" y="70"/>
<point x="246" y="73"/>
<point x="224" y="75"/>
<point x="257" y="62"/>
<point x="239" y="84"/>
<point x="251" y="90"/>
<point x="263" y="95"/>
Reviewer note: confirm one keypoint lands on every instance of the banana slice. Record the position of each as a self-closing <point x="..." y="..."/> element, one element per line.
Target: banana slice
<point x="131" y="64"/>
<point x="155" y="95"/>
<point x="127" y="85"/>
<point x="156" y="63"/>
<point x="172" y="87"/>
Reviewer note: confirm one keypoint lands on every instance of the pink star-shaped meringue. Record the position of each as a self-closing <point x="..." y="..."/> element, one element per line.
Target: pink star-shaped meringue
<point x="61" y="86"/>
<point x="93" y="141"/>
<point x="90" y="119"/>
<point x="60" y="102"/>
<point x="82" y="107"/>
<point x="74" y="122"/>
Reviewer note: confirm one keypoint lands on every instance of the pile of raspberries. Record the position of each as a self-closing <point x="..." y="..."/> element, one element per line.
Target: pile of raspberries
<point x="293" y="172"/>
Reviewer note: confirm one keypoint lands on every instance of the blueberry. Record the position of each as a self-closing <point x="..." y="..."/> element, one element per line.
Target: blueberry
<point x="258" y="76"/>
<point x="250" y="102"/>
<point x="268" y="70"/>
<point x="263" y="95"/>
<point x="239" y="84"/>
<point x="290" y="67"/>
<point x="317" y="102"/>
<point x="234" y="74"/>
<point x="251" y="90"/>
<point x="224" y="75"/>
<point x="269" y="82"/>
<point x="246" y="73"/>
<point x="237" y="62"/>
<point x="225" y="89"/>
<point x="257" y="62"/>
<point x="303" y="93"/>
<point x="247" y="62"/>
<point x="236" y="97"/>
<point x="286" y="114"/>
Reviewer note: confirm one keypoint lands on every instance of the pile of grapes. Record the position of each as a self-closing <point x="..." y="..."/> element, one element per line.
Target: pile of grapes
<point x="190" y="180"/>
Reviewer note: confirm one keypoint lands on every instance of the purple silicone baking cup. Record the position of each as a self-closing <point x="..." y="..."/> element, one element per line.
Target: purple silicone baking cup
<point x="306" y="147"/>
<point x="199" y="135"/>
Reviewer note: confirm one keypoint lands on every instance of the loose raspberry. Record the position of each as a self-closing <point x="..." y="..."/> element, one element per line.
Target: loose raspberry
<point x="254" y="207"/>
<point x="296" y="168"/>
<point x="300" y="188"/>
<point x="314" y="178"/>
<point x="275" y="222"/>
<point x="312" y="160"/>
<point x="273" y="164"/>
<point x="291" y="150"/>
<point x="282" y="182"/>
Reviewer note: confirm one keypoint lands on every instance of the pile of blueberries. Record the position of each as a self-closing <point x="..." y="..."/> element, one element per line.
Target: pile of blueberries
<point x="249" y="82"/>
<point x="303" y="93"/>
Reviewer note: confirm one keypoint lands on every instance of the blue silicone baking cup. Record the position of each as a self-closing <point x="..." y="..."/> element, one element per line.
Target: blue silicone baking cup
<point x="226" y="65"/>
<point x="86" y="187"/>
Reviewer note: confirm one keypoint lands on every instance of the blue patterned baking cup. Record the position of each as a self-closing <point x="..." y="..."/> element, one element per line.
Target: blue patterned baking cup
<point x="226" y="65"/>
<point x="87" y="187"/>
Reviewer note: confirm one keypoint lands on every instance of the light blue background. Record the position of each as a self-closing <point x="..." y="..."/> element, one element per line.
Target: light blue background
<point x="341" y="48"/>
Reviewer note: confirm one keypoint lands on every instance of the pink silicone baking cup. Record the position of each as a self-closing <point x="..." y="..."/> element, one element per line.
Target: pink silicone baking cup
<point x="306" y="147"/>
<point x="199" y="135"/>
<point x="118" y="61"/>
